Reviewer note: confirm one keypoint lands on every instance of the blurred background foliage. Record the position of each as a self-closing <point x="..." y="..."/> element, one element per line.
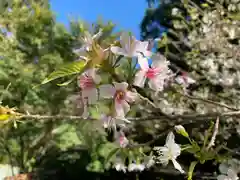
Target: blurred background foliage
<point x="33" y="45"/>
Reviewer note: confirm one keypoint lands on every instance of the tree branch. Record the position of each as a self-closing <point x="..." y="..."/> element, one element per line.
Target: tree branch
<point x="176" y="118"/>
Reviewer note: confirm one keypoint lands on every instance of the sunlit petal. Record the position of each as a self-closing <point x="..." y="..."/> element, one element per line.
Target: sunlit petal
<point x="143" y="62"/>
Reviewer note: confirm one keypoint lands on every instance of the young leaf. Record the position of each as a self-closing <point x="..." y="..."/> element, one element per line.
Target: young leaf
<point x="69" y="69"/>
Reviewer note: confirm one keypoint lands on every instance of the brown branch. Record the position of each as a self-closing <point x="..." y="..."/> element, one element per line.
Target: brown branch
<point x="176" y="118"/>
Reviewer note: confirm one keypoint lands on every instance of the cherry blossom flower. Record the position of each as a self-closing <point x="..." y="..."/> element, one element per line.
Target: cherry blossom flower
<point x="130" y="47"/>
<point x="136" y="167"/>
<point x="170" y="151"/>
<point x="156" y="74"/>
<point x="121" y="96"/>
<point x="87" y="82"/>
<point x="184" y="80"/>
<point x="87" y="41"/>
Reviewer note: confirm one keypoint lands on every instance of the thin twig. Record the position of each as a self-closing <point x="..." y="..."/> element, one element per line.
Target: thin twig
<point x="210" y="102"/>
<point x="215" y="132"/>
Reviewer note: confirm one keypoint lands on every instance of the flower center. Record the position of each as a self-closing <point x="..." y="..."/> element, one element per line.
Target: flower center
<point x="119" y="95"/>
<point x="86" y="82"/>
<point x="152" y="72"/>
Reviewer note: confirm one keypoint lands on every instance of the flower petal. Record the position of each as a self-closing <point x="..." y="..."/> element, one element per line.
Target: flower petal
<point x="126" y="41"/>
<point x="131" y="167"/>
<point x="143" y="62"/>
<point x="121" y="86"/>
<point x="131" y="96"/>
<point x="121" y="108"/>
<point x="140" y="78"/>
<point x="141" y="167"/>
<point x="119" y="51"/>
<point x="126" y="107"/>
<point x="159" y="61"/>
<point x="177" y="166"/>
<point x="107" y="91"/>
<point x="156" y="84"/>
<point x="142" y="47"/>
<point x="91" y="94"/>
<point x="170" y="139"/>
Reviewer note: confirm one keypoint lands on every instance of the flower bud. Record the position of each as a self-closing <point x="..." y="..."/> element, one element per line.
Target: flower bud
<point x="181" y="130"/>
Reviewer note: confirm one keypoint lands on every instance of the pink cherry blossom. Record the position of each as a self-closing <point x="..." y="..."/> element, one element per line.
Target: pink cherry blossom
<point x="121" y="96"/>
<point x="87" y="82"/>
<point x="157" y="73"/>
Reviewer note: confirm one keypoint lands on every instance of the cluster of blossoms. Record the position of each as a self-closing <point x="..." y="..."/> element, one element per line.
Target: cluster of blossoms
<point x="90" y="82"/>
<point x="155" y="74"/>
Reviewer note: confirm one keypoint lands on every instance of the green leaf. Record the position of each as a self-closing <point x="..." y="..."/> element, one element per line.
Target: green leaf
<point x="111" y="154"/>
<point x="191" y="169"/>
<point x="69" y="69"/>
<point x="67" y="82"/>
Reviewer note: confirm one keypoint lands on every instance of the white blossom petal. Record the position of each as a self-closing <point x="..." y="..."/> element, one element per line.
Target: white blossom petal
<point x="107" y="91"/>
<point x="131" y="96"/>
<point x="156" y="84"/>
<point x="141" y="167"/>
<point x="121" y="108"/>
<point x="131" y="167"/>
<point x="119" y="51"/>
<point x="170" y="139"/>
<point x="127" y="41"/>
<point x="142" y="47"/>
<point x="143" y="62"/>
<point x="91" y="94"/>
<point x="92" y="73"/>
<point x="140" y="78"/>
<point x="177" y="166"/>
<point x="120" y="167"/>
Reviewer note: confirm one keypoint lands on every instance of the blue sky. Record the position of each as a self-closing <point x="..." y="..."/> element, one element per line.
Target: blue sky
<point x="126" y="14"/>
